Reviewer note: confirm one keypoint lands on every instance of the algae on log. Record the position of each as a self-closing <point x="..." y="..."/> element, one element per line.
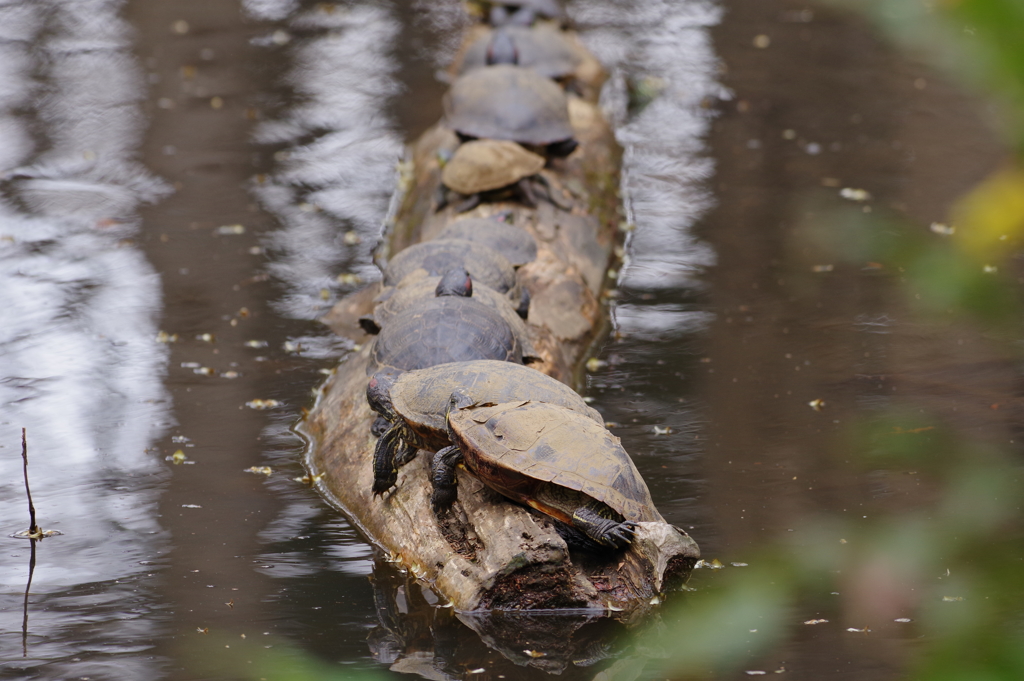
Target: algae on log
<point x="489" y="553"/>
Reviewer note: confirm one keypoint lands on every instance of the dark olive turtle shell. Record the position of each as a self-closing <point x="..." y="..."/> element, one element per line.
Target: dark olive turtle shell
<point x="542" y="48"/>
<point x="518" y="447"/>
<point x="515" y="243"/>
<point x="508" y="102"/>
<point x="545" y="8"/>
<point x="412" y="291"/>
<point x="485" y="265"/>
<point x="442" y="330"/>
<point x="421" y="397"/>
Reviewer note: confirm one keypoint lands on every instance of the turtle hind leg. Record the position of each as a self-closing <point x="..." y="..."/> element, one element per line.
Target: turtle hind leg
<point x="607" y="532"/>
<point x="391" y="452"/>
<point x="442" y="477"/>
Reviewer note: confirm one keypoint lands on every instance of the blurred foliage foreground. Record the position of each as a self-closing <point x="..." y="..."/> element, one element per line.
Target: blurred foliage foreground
<point x="951" y="571"/>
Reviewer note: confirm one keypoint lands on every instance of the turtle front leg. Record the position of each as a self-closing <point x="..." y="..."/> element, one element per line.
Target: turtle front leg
<point x="442" y="477"/>
<point x="390" y="453"/>
<point x="605" y="531"/>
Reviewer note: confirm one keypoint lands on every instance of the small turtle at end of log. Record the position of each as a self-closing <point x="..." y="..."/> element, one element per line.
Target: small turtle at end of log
<point x="521" y="12"/>
<point x="415" y="404"/>
<point x="515" y="243"/>
<point x="541" y="48"/>
<point x="550" y="458"/>
<point x="513" y="103"/>
<point x="486" y="265"/>
<point x="494" y="170"/>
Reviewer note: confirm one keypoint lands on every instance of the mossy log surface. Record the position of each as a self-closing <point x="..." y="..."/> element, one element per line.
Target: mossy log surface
<point x="489" y="553"/>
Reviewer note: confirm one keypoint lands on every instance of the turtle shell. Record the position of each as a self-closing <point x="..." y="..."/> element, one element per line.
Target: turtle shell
<point x="483" y="165"/>
<point x="542" y="48"/>
<point x="442" y="330"/>
<point x="508" y="102"/>
<point x="545" y="8"/>
<point x="518" y="447"/>
<point x="515" y="243"/>
<point x="421" y="397"/>
<point x="485" y="265"/>
<point x="413" y="290"/>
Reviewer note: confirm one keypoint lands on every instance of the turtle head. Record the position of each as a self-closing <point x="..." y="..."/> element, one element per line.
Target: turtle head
<point x="455" y="282"/>
<point x="502" y="49"/>
<point x="458" y="400"/>
<point x="378" y="392"/>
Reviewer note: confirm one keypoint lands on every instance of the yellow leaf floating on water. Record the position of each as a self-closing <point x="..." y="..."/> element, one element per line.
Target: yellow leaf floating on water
<point x="262" y="470"/>
<point x="991" y="216"/>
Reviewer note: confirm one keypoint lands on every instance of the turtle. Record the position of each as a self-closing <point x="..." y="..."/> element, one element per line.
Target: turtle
<point x="504" y="11"/>
<point x="486" y="265"/>
<point x="457" y="281"/>
<point x="514" y="103"/>
<point x="542" y="48"/>
<point x="550" y="458"/>
<point x="415" y="403"/>
<point x="515" y="243"/>
<point x="494" y="169"/>
<point x="444" y="329"/>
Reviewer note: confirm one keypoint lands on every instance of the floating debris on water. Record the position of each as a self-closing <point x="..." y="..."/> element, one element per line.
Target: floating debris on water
<point x="207" y="338"/>
<point x="658" y="430"/>
<point x="852" y="194"/>
<point x="191" y="506"/>
<point x="822" y="268"/>
<point x="816" y="405"/>
<point x="854" y="630"/>
<point x="349" y="279"/>
<point x="164" y="337"/>
<point x="816" y="622"/>
<point x="261" y="470"/>
<point x="952" y="599"/>
<point x="228" y="230"/>
<point x="177" y="458"/>
<point x="593" y="364"/>
<point x="309" y="480"/>
<point x="262" y="404"/>
<point x="256" y="344"/>
<point x="940" y="228"/>
<point x="535" y="653"/>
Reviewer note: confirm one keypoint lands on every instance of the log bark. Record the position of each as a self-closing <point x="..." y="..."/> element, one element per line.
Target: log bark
<point x="489" y="553"/>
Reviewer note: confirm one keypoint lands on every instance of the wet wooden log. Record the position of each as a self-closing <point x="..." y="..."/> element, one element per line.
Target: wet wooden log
<point x="490" y="553"/>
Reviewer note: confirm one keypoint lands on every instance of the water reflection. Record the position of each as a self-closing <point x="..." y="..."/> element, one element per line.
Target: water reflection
<point x="82" y="370"/>
<point x="335" y="172"/>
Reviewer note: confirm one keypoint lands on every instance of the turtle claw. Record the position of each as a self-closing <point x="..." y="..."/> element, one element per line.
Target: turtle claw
<point x="622" y="534"/>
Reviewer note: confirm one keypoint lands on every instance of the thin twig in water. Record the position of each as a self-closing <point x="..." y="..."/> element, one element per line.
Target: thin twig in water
<point x="33" y="529"/>
<point x="28" y="587"/>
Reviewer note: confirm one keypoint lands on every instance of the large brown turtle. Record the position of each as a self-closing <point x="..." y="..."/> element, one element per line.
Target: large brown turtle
<point x="549" y="458"/>
<point x="494" y="170"/>
<point x="508" y="102"/>
<point x="542" y="48"/>
<point x="415" y="404"/>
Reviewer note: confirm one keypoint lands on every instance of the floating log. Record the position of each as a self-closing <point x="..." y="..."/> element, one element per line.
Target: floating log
<point x="491" y="553"/>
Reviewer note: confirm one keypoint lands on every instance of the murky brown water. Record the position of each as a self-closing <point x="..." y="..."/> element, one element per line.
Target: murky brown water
<point x="277" y="125"/>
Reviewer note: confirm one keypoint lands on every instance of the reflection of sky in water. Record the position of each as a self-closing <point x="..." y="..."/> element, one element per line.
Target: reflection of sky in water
<point x="337" y="171"/>
<point x="666" y="164"/>
<point x="80" y="368"/>
<point x="335" y="174"/>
